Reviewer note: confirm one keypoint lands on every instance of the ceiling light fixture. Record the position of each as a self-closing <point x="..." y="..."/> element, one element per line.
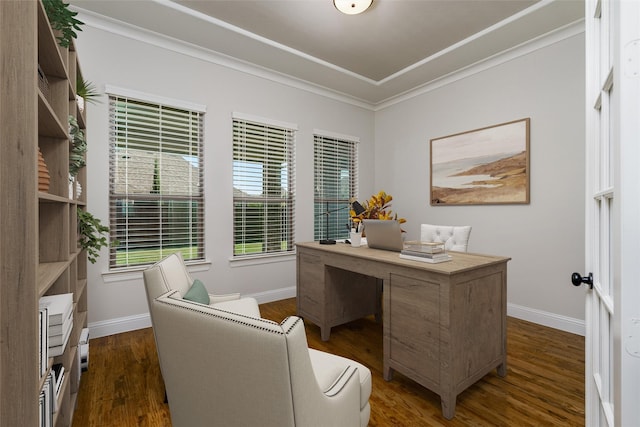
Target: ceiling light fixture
<point x="352" y="7"/>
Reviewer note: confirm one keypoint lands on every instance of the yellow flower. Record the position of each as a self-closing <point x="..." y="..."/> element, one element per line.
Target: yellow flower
<point x="377" y="207"/>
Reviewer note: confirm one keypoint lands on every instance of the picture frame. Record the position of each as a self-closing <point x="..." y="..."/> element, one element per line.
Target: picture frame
<point x="483" y="166"/>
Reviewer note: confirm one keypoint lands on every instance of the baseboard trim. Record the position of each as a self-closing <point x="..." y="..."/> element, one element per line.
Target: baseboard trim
<point x="140" y="321"/>
<point x="556" y="321"/>
<point x="275" y="295"/>
<point x="119" y="325"/>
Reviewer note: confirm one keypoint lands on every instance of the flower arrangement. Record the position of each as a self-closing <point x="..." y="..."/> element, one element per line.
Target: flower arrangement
<point x="377" y="207"/>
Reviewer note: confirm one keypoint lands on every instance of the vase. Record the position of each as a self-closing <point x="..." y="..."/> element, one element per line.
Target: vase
<point x="72" y="184"/>
<point x="44" y="179"/>
<point x="356" y="239"/>
<point x="80" y="102"/>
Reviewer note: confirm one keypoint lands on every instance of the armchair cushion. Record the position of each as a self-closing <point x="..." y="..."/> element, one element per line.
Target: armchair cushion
<point x="216" y="298"/>
<point x="197" y="293"/>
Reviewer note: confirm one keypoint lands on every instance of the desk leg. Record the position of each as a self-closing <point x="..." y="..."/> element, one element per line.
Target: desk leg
<point x="325" y="331"/>
<point x="448" y="403"/>
<point x="502" y="369"/>
<point x="387" y="373"/>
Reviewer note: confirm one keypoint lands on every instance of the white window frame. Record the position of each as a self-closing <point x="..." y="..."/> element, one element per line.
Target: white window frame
<point x="176" y="180"/>
<point x="331" y="152"/>
<point x="259" y="192"/>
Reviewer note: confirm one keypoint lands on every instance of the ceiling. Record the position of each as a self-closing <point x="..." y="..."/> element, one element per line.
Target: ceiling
<point x="392" y="48"/>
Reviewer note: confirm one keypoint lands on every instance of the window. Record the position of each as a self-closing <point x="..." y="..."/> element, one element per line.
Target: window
<point x="263" y="188"/>
<point x="335" y="172"/>
<point x="156" y="198"/>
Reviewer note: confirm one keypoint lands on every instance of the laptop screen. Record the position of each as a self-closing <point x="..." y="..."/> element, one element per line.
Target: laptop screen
<point x="383" y="234"/>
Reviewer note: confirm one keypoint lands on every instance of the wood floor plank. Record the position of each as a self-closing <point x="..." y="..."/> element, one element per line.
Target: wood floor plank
<point x="544" y="385"/>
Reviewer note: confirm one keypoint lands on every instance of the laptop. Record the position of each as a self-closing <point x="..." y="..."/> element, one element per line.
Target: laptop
<point x="383" y="234"/>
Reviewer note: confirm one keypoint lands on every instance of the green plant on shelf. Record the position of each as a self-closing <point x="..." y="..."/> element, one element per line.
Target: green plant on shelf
<point x="92" y="235"/>
<point x="62" y="19"/>
<point x="87" y="90"/>
<point x="78" y="147"/>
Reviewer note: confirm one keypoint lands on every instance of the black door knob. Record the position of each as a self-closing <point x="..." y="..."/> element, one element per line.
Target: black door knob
<point x="577" y="279"/>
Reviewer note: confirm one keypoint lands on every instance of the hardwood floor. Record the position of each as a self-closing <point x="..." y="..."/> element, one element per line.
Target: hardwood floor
<point x="544" y="385"/>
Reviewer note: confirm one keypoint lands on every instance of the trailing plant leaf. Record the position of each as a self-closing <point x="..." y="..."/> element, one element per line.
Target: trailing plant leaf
<point x="90" y="233"/>
<point x="63" y="20"/>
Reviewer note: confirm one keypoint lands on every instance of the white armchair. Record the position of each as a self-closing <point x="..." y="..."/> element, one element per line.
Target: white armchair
<point x="455" y="238"/>
<point x="171" y="273"/>
<point x="229" y="369"/>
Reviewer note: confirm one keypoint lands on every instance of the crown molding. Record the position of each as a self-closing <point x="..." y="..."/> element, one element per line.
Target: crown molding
<point x="569" y="31"/>
<point x="117" y="27"/>
<point x="123" y="29"/>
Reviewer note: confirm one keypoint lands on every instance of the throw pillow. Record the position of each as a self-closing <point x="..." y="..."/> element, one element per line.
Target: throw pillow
<point x="197" y="293"/>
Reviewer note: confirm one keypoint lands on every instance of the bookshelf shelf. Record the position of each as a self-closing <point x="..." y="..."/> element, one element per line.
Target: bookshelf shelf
<point x="49" y="124"/>
<point x="48" y="273"/>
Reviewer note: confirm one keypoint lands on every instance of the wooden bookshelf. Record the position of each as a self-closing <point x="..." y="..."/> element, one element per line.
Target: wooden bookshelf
<point x="39" y="253"/>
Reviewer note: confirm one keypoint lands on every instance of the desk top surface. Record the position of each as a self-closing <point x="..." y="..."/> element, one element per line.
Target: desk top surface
<point x="460" y="260"/>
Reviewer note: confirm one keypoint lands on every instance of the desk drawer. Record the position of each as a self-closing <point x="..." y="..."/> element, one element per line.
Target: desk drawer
<point x="414" y="326"/>
<point x="310" y="293"/>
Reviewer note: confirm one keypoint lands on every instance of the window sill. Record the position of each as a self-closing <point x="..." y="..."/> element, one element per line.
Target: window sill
<point x="261" y="259"/>
<point x="135" y="273"/>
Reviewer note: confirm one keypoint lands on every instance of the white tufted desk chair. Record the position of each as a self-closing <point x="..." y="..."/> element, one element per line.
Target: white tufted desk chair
<point x="455" y="238"/>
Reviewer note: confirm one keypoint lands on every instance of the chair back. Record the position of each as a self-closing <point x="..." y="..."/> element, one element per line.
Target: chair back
<point x="168" y="274"/>
<point x="455" y="238"/>
<point x="222" y="368"/>
<point x="228" y="369"/>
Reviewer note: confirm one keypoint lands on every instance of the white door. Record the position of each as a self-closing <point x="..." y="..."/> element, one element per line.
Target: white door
<point x="612" y="213"/>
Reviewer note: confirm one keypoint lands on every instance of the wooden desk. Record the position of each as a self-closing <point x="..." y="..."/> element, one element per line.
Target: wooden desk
<point x="444" y="325"/>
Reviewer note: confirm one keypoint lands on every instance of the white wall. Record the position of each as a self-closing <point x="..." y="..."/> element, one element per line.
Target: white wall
<point x="117" y="301"/>
<point x="545" y="238"/>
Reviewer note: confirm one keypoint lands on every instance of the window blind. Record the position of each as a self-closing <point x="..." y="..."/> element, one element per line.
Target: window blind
<point x="335" y="180"/>
<point x="156" y="197"/>
<point x="263" y="189"/>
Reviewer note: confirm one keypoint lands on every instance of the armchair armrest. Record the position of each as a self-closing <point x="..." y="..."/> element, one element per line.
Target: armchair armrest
<point x="327" y="389"/>
<point x="222" y="298"/>
<point x="341" y="381"/>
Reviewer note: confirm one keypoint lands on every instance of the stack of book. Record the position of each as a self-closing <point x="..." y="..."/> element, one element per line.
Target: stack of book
<point x="432" y="252"/>
<point x="83" y="349"/>
<point x="43" y="327"/>
<point x="58" y="376"/>
<point x="48" y="400"/>
<point x="60" y="309"/>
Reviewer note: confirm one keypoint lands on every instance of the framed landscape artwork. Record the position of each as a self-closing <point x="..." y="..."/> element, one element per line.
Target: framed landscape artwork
<point x="482" y="166"/>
